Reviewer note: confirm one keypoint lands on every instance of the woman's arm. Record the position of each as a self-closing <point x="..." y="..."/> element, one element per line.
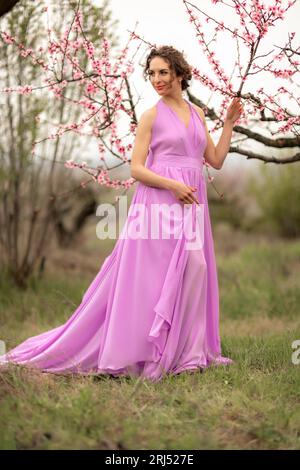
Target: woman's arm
<point x="140" y="151"/>
<point x="216" y="154"/>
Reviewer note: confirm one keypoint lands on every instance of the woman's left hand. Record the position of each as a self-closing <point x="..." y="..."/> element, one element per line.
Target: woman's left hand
<point x="235" y="110"/>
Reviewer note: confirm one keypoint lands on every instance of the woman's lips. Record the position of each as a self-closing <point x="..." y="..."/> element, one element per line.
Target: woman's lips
<point x="159" y="87"/>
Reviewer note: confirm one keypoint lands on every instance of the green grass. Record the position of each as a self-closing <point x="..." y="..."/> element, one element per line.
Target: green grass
<point x="261" y="279"/>
<point x="252" y="404"/>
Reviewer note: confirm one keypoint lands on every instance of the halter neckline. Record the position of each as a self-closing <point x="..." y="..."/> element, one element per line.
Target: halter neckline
<point x="175" y="113"/>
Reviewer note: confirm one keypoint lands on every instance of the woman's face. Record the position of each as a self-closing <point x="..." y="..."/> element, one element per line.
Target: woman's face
<point x="162" y="77"/>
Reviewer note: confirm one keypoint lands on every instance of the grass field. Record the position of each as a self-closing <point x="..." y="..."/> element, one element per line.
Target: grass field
<point x="252" y="404"/>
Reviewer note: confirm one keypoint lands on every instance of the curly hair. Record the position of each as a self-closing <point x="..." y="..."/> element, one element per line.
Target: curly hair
<point x="176" y="62"/>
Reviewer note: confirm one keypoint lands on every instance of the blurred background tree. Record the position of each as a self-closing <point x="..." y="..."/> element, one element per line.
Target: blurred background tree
<point x="30" y="211"/>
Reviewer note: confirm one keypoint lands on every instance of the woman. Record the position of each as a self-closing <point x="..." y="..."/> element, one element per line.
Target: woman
<point x="153" y="308"/>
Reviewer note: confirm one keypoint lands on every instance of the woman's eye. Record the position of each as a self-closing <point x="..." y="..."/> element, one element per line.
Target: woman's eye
<point x="161" y="73"/>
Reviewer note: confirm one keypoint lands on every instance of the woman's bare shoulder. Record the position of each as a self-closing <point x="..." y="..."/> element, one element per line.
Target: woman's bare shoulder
<point x="148" y="116"/>
<point x="150" y="113"/>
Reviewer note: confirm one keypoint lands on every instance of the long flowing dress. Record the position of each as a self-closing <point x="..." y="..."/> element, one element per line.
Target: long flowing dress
<point x="153" y="308"/>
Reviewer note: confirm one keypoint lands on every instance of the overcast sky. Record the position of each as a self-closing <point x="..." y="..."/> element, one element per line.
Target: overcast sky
<point x="166" y="22"/>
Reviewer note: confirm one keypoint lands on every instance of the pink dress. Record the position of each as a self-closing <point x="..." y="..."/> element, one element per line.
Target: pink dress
<point x="153" y="308"/>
